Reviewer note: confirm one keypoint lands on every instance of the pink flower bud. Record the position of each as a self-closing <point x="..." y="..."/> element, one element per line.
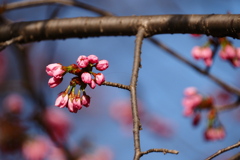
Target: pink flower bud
<point x="61" y="100"/>
<point x="102" y="65"/>
<point x="70" y="105"/>
<point x="93" y="59"/>
<point x="99" y="78"/>
<point x="85" y="100"/>
<point x="190" y="91"/>
<point x="92" y="84"/>
<point x="82" y="61"/>
<point x="86" y="77"/>
<point x="55" y="70"/>
<point x="77" y="103"/>
<point x="212" y="134"/>
<point x="53" y="82"/>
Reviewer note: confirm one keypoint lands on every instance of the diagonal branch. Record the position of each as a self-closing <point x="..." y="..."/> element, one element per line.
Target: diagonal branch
<point x="192" y="65"/>
<point x="160" y="150"/>
<point x="81" y="27"/>
<point x="24" y="4"/>
<point x="118" y="85"/>
<point x="224" y="150"/>
<point x="133" y="90"/>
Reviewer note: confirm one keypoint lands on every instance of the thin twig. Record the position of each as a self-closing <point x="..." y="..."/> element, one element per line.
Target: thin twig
<point x="228" y="106"/>
<point x="159" y="150"/>
<point x="133" y="89"/>
<point x="192" y="65"/>
<point x="118" y="85"/>
<point x="224" y="150"/>
<point x="24" y="4"/>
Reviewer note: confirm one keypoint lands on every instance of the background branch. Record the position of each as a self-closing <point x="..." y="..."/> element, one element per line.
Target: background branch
<point x="224" y="150"/>
<point x="24" y="4"/>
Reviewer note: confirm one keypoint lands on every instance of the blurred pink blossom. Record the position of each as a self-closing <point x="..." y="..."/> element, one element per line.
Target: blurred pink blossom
<point x="212" y="134"/>
<point x="191" y="100"/>
<point x="227" y="52"/>
<point x="204" y="53"/>
<point x="82" y="61"/>
<point x="58" y="123"/>
<point x="36" y="149"/>
<point x="13" y="103"/>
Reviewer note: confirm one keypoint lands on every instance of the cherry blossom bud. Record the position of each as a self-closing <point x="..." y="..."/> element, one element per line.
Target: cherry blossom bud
<point x="228" y="52"/>
<point x="208" y="61"/>
<point x="61" y="100"/>
<point x="77" y="103"/>
<point x="85" y="100"/>
<point x="190" y="91"/>
<point x="82" y="61"/>
<point x="53" y="82"/>
<point x="55" y="70"/>
<point x="86" y="77"/>
<point x="99" y="78"/>
<point x="102" y="65"/>
<point x="93" y="59"/>
<point x="71" y="106"/>
<point x="92" y="84"/>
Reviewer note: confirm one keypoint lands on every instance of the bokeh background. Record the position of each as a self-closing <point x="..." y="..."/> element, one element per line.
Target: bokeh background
<point x="162" y="80"/>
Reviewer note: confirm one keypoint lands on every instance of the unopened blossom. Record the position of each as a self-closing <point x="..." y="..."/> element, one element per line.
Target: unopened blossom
<point x="53" y="82"/>
<point x="36" y="149"/>
<point x="190" y="91"/>
<point x="85" y="100"/>
<point x="93" y="59"/>
<point x="99" y="78"/>
<point x="70" y="105"/>
<point x="55" y="70"/>
<point x="86" y="77"/>
<point x="92" y="84"/>
<point x="61" y="100"/>
<point x="13" y="103"/>
<point x="212" y="134"/>
<point x="102" y="65"/>
<point x="82" y="61"/>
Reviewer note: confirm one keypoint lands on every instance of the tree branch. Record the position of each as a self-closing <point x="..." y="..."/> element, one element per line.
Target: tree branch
<point x="215" y="25"/>
<point x="192" y="65"/>
<point x="224" y="150"/>
<point x="159" y="150"/>
<point x="24" y="4"/>
<point x="133" y="90"/>
<point x="118" y="85"/>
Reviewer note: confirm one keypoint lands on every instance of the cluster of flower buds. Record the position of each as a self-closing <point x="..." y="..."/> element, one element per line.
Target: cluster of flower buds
<point x="84" y="74"/>
<point x="229" y="52"/>
<point x="193" y="104"/>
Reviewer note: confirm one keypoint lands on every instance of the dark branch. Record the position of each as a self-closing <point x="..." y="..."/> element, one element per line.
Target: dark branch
<point x="224" y="150"/>
<point x="215" y="25"/>
<point x="24" y="4"/>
